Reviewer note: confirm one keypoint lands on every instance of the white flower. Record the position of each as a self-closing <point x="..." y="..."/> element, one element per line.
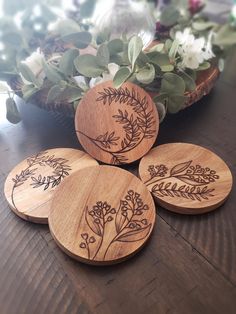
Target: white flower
<point x="35" y="63"/>
<point x="193" y="51"/>
<point x="184" y="37"/>
<point x="113" y="68"/>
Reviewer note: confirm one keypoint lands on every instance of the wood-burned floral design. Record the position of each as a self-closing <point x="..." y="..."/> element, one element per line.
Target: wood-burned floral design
<point x="60" y="171"/>
<point x="138" y="126"/>
<point x="196" y="181"/>
<point x="127" y="223"/>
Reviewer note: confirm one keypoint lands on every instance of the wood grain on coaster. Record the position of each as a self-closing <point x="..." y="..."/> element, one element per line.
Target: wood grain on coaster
<point x="102" y="215"/>
<point x="186" y="178"/>
<point x="117" y="126"/>
<point x="30" y="185"/>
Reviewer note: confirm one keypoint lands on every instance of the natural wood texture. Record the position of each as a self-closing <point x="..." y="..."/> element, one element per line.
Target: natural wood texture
<point x="187" y="267"/>
<point x="117" y="126"/>
<point x="102" y="215"/>
<point x="186" y="178"/>
<point x="30" y="186"/>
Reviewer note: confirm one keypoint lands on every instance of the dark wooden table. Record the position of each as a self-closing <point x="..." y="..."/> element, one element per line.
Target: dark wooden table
<point x="188" y="266"/>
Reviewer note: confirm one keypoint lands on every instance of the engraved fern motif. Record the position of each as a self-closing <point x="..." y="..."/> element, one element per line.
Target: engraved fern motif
<point x="60" y="166"/>
<point x="137" y="126"/>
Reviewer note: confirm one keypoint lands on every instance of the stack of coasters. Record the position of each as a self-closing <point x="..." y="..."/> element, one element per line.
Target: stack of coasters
<point x="30" y="186"/>
<point x="103" y="215"/>
<point x="186" y="178"/>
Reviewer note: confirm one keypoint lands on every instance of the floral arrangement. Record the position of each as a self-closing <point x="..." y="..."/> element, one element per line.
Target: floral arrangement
<point x="67" y="60"/>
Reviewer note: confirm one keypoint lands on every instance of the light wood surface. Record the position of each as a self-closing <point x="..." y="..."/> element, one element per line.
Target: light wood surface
<point x="102" y="215"/>
<point x="186" y="178"/>
<point x="30" y="186"/>
<point x="117" y="126"/>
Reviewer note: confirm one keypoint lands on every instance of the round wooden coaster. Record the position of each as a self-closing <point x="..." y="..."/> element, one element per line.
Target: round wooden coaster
<point x="30" y="186"/>
<point x="186" y="178"/>
<point x="102" y="215"/>
<point x="117" y="126"/>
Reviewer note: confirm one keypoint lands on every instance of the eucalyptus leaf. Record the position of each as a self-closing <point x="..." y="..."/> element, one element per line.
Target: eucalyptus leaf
<point x="175" y="103"/>
<point x="172" y="84"/>
<point x="87" y="8"/>
<point x="66" y="27"/>
<point x="161" y="108"/>
<point x="115" y="46"/>
<point x="71" y="94"/>
<point x="225" y="37"/>
<point x="174" y="49"/>
<point x="160" y="98"/>
<point x="204" y="66"/>
<point x="103" y="36"/>
<point x="53" y="93"/>
<point x="146" y="75"/>
<point x="52" y="73"/>
<point x="167" y="68"/>
<point x="189" y="81"/>
<point x="203" y="25"/>
<point x="142" y="60"/>
<point x="160" y="59"/>
<point x="28" y="74"/>
<point x="134" y="48"/>
<point x="117" y="59"/>
<point x="169" y="15"/>
<point x="28" y="91"/>
<point x="158" y="47"/>
<point x="80" y="40"/>
<point x="88" y="65"/>
<point x="103" y="55"/>
<point x="221" y="65"/>
<point x="12" y="114"/>
<point x="66" y="64"/>
<point x="121" y="76"/>
<point x="168" y="44"/>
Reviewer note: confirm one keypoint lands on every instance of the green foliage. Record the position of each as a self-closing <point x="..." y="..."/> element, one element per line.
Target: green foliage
<point x="103" y="55"/>
<point x="173" y="87"/>
<point x="88" y="65"/>
<point x="12" y="114"/>
<point x="80" y="40"/>
<point x="115" y="46"/>
<point x="171" y="83"/>
<point x="225" y="37"/>
<point x="134" y="49"/>
<point x="87" y="8"/>
<point x="52" y="73"/>
<point x="67" y="27"/>
<point x="169" y="15"/>
<point x="66" y="64"/>
<point x="28" y="74"/>
<point x="161" y="59"/>
<point x="189" y="81"/>
<point x="204" y="66"/>
<point x="121" y="76"/>
<point x="146" y="75"/>
<point x="28" y="91"/>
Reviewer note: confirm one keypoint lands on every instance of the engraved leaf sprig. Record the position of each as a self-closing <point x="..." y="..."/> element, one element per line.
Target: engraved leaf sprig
<point x="185" y="191"/>
<point x="136" y="127"/>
